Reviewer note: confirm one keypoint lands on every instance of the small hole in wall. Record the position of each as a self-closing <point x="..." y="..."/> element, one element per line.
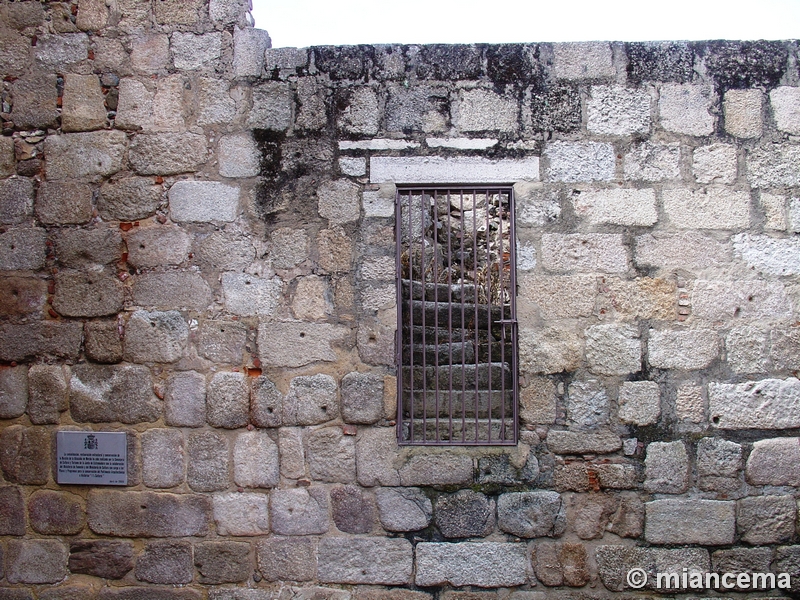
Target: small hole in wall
<point x="372" y="339"/>
<point x="302" y="334"/>
<point x="269" y="410"/>
<point x="715" y="420"/>
<point x="749" y="298"/>
<point x="324" y="408"/>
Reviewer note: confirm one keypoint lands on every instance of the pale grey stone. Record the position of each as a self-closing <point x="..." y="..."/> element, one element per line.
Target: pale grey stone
<point x="616" y="206"/>
<point x="531" y="514"/>
<point x="129" y="199"/>
<point x="354" y="167"/>
<point x="227" y="12"/>
<point x="16" y="199"/>
<point x="224" y="250"/>
<point x="584" y="252"/>
<point x="244" y="514"/>
<point x="573" y="442"/>
<point x="287" y="559"/>
<point x="770" y="256"/>
<point x="285" y="59"/>
<point x="35" y="97"/>
<point x="718" y="300"/>
<point x="436" y="469"/>
<point x="766" y="519"/>
<point x="774" y="461"/>
<point x="685" y="108"/>
<point x="785" y="349"/>
<point x="13" y="391"/>
<point x="190" y="51"/>
<point x="163" y="458"/>
<point x="718" y="458"/>
<point x="83" y="107"/>
<point x="255" y="460"/>
<point x="300" y="511"/>
<point x="618" y="110"/>
<point x="293" y="461"/>
<point x="742" y="110"/>
<point x="167" y="153"/>
<point x="48" y="393"/>
<point x="294" y="344"/>
<point x="708" y="208"/>
<point x="773" y="165"/>
<point x="88" y="248"/>
<point x="682" y="348"/>
<point x="248" y="51"/>
<point x="651" y="161"/>
<point x="331" y="455"/>
<point x="482" y="564"/>
<point x="361" y="114"/>
<point x="266" y="403"/>
<point x="403" y="509"/>
<point x="312" y="299"/>
<point x="583" y="60"/>
<point x="185" y="399"/>
<point x="552" y="349"/>
<point x="588" y="405"/>
<point x="172" y="290"/>
<point x="535" y="206"/>
<point x="228" y="400"/>
<point x="485" y="110"/>
<point x="19" y="341"/>
<point x="60" y="51"/>
<point x="208" y="466"/>
<point x="166" y="562"/>
<point x="464" y="514"/>
<point x="214" y="102"/>
<point x="436" y="169"/>
<point x="688" y="250"/>
<point x="87" y="294"/>
<point x="90" y="155"/>
<point x="248" y="295"/>
<point x="222" y="341"/>
<point x="362" y="398"/>
<point x="63" y="203"/>
<point x="203" y="201"/>
<point x="784" y="101"/>
<point x="376" y="449"/>
<point x="311" y="94"/>
<point x="765" y="404"/>
<point x="694" y="521"/>
<point x="108" y="393"/>
<point x="339" y="201"/>
<point x="383" y="561"/>
<point x="22" y="249"/>
<point x="238" y="156"/>
<point x="272" y="106"/>
<point x="580" y="161"/>
<point x="35" y="561"/>
<point x="614" y="563"/>
<point x="715" y="163"/>
<point x="149" y="51"/>
<point x="311" y="399"/>
<point x="157" y="246"/>
<point x="666" y="468"/>
<point x="613" y="349"/>
<point x="639" y="402"/>
<point x="290" y="247"/>
<point x="155" y="337"/>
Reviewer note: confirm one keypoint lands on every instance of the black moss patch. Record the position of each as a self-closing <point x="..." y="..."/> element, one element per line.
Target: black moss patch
<point x="653" y="61"/>
<point x="457" y="61"/>
<point x="556" y="108"/>
<point x="737" y="65"/>
<point x="344" y="62"/>
<point x="513" y="64"/>
<point x="269" y="144"/>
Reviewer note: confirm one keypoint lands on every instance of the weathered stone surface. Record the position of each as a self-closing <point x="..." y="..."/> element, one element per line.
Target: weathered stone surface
<point x="59" y="51"/>
<point x="639" y="402"/>
<point x="436" y="469"/>
<point x="83" y="106"/>
<point x="464" y="514"/>
<point x="360" y="114"/>
<point x="272" y="106"/>
<point x="690" y="250"/>
<point x="650" y="161"/>
<point x="614" y="562"/>
<point x="766" y="519"/>
<point x="774" y="461"/>
<point x="616" y="206"/>
<point x="87" y="294"/>
<point x="742" y="110"/>
<point x="48" y="393"/>
<point x="238" y="156"/>
<point x="16" y="199"/>
<point x="618" y="110"/>
<point x="101" y="558"/>
<point x="165" y="562"/>
<point x="550" y="350"/>
<point x="580" y="161"/>
<point x="311" y="399"/>
<point x="613" y="349"/>
<point x="163" y="458"/>
<point x="765" y="404"/>
<point x="339" y="202"/>
<point x="312" y="299"/>
<point x="25" y="454"/>
<point x="685" y="108"/>
<point x="352" y="510"/>
<point x="628" y="520"/>
<point x="248" y="51"/>
<point x="531" y="514"/>
<point x="167" y="153"/>
<point x="63" y="203"/>
<point x="362" y="398"/>
<point x="171" y="290"/>
<point x="287" y="559"/>
<point x="682" y="348"/>
<point x="129" y="199"/>
<point x="22" y="249"/>
<point x="715" y="164"/>
<point x="149" y="52"/>
<point x="35" y="561"/>
<point x="192" y="51"/>
<point x="22" y="295"/>
<point x="147" y="593"/>
<point x="561" y="563"/>
<point x="774" y="256"/>
<point x="241" y="514"/>
<point x="294" y="344"/>
<point x="90" y="155"/>
<point x="35" y="100"/>
<point x="572" y="442"/>
<point x="719" y="465"/>
<point x="706" y="522"/>
<point x="157" y="246"/>
<point x="787" y="560"/>
<point x="403" y="509"/>
<point x="103" y="394"/>
<point x="708" y="208"/>
<point x="12" y="511"/>
<point x="13" y="391"/>
<point x="246" y="295"/>
<point x="88" y="248"/>
<point x="44" y="338"/>
<point x="148" y="514"/>
<point x="155" y="337"/>
<point x="208" y="467"/>
<point x="583" y="60"/>
<point x="214" y="102"/>
<point x="484" y="110"/>
<point x="718" y="300"/>
<point x="56" y="513"/>
<point x="185" y="400"/>
<point x="67" y="592"/>
<point x="299" y="511"/>
<point x="537" y="402"/>
<point x="784" y="101"/>
<point x="223" y="562"/>
<point x="485" y="564"/>
<point x="203" y="201"/>
<point x="331" y="455"/>
<point x="667" y="468"/>
<point x="371" y="561"/>
<point x="266" y="403"/>
<point x="590" y="252"/>
<point x="292" y="453"/>
<point x="255" y="460"/>
<point x="228" y="400"/>
<point x="773" y="165"/>
<point x="588" y="405"/>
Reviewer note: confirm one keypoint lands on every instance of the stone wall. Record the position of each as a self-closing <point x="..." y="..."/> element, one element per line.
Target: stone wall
<point x="196" y="248"/>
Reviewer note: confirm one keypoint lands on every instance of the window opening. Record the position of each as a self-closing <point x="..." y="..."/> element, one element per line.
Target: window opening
<point x="456" y="328"/>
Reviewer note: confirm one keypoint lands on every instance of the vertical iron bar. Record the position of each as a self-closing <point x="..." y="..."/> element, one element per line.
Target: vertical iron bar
<point x="398" y="269"/>
<point x="450" y="318"/>
<point x="436" y="305"/>
<point x="489" y="315"/>
<point x="411" y="399"/>
<point x="475" y="279"/>
<point x="424" y="341"/>
<point x="463" y="324"/>
<point x="501" y="267"/>
<point x="512" y="252"/>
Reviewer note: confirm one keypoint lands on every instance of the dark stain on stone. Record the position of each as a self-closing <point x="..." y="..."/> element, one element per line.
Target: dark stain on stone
<point x="513" y="64"/>
<point x="659" y="61"/>
<point x="441" y="61"/>
<point x="344" y="62"/>
<point x="556" y="108"/>
<point x="736" y="65"/>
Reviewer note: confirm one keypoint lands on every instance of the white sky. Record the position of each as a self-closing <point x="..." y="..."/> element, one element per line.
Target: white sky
<point x="302" y="23"/>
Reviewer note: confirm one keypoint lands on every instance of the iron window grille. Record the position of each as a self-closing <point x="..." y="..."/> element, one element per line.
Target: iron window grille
<point x="456" y="318"/>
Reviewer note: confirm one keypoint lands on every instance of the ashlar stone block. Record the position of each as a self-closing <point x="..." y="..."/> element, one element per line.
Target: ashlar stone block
<point x="272" y="106"/>
<point x="774" y="461"/>
<point x="339" y="201"/>
<point x="742" y="110"/>
<point x="36" y="561"/>
<point x="531" y="514"/>
<point x="191" y="51"/>
<point x="228" y="400"/>
<point x="13" y="391"/>
<point x="223" y="562"/>
<point x="185" y="399"/>
<point x="583" y="60"/>
<point x="588" y="405"/>
<point x="266" y="403"/>
<point x="87" y="294"/>
<point x="300" y="511"/>
<point x="666" y="468"/>
<point x="362" y="398"/>
<point x="702" y="522"/>
<point x="766" y="519"/>
<point x="108" y="393"/>
<point x="168" y="154"/>
<point x="148" y="514"/>
<point x="353" y="510"/>
<point x="785" y="103"/>
<point x="287" y="559"/>
<point x="165" y="562"/>
<point x="16" y="199"/>
<point x="163" y="458"/>
<point x="48" y="389"/>
<point x="715" y="164"/>
<point x="155" y="337"/>
<point x="247" y="295"/>
<point x="238" y="156"/>
<point x="464" y="514"/>
<point x="255" y="460"/>
<point x="711" y="208"/>
<point x="101" y="558"/>
<point x="639" y="402"/>
<point x="203" y="201"/>
<point x="616" y="206"/>
<point x="248" y="51"/>
<point x="208" y="465"/>
<point x="613" y="349"/>
<point x="129" y="199"/>
<point x="685" y="108"/>
<point x="651" y="161"/>
<point x="765" y="404"/>
<point x="686" y="349"/>
<point x="403" y="509"/>
<point x="482" y="564"/>
<point x="244" y="514"/>
<point x="22" y="249"/>
<point x="90" y="155"/>
<point x="485" y="110"/>
<point x="580" y="161"/>
<point x="386" y="561"/>
<point x="157" y="246"/>
<point x="331" y="455"/>
<point x="618" y="110"/>
<point x="294" y="344"/>
<point x="773" y="165"/>
<point x="83" y="104"/>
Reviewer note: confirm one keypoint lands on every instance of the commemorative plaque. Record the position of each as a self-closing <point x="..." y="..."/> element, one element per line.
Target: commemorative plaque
<point x="92" y="457"/>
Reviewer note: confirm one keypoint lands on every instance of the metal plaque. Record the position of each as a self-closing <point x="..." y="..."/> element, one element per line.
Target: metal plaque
<point x="92" y="457"/>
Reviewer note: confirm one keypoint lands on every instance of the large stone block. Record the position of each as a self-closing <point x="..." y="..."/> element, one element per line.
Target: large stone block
<point x="436" y="469"/>
<point x="537" y="401"/>
<point x="484" y="564"/>
<point x="149" y="51"/>
<point x="36" y="561"/>
<point x="148" y="593"/>
<point x="155" y="337"/>
<point x="666" y="468"/>
<point x="48" y="393"/>
<point x="403" y="509"/>
<point x="353" y="510"/>
<point x="361" y="113"/>
<point x="559" y="296"/>
<point x="266" y="403"/>
<point x="63" y="203"/>
<point x="16" y="199"/>
<point x="417" y="108"/>
<point x="244" y="514"/>
<point x="25" y="454"/>
<point x="614" y="563"/>
<point x="618" y="110"/>
<point x="784" y="101"/>
<point x="129" y="199"/>
<point x="560" y="563"/>
<point x="13" y="391"/>
<point x="167" y="153"/>
<point x="87" y="294"/>
<point x="651" y="161"/>
<point x="616" y="206"/>
<point x="248" y="51"/>
<point x="228" y="400"/>
<point x="83" y="105"/>
<point x="171" y="290"/>
<point x="294" y="344"/>
<point x="765" y="404"/>
<point x="588" y="405"/>
<point x="339" y="201"/>
<point x="383" y="561"/>
<point x="718" y="458"/>
<point x="580" y="161"/>
<point x="573" y="442"/>
<point x="362" y="398"/>
<point x="711" y="208"/>
<point x="685" y="108"/>
<point x="22" y="295"/>
<point x="682" y="349"/>
<point x="209" y="463"/>
<point x="613" y="349"/>
<point x="203" y="201"/>
<point x="104" y="394"/>
<point x="238" y="156"/>
<point x="148" y="514"/>
<point x="12" y="511"/>
<point x="44" y="338"/>
<point x="771" y="256"/>
<point x="224" y="250"/>
<point x="552" y="349"/>
<point x="185" y="399"/>
<point x="715" y="163"/>
<point x="742" y="110"/>
<point x="774" y="461"/>
<point x="59" y="51"/>
<point x="223" y="562"/>
<point x="157" y="246"/>
<point x="750" y="299"/>
<point x="773" y="165"/>
<point x="292" y="453"/>
<point x="702" y="522"/>
<point x="101" y="558"/>
<point x="464" y="514"/>
<point x="583" y="60"/>
<point x="586" y="252"/>
<point x="766" y="519"/>
<point x="90" y="155"/>
<point x="435" y="169"/>
<point x="163" y="458"/>
<point x="247" y="295"/>
<point x="300" y="511"/>
<point x="272" y="106"/>
<point x="214" y="102"/>
<point x="639" y="402"/>
<point x="35" y="101"/>
<point x="689" y="250"/>
<point x="531" y="514"/>
<point x="287" y="559"/>
<point x="255" y="460"/>
<point x="192" y="52"/>
<point x="331" y="455"/>
<point x="22" y="249"/>
<point x="485" y="110"/>
<point x="88" y="248"/>
<point x="166" y="562"/>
